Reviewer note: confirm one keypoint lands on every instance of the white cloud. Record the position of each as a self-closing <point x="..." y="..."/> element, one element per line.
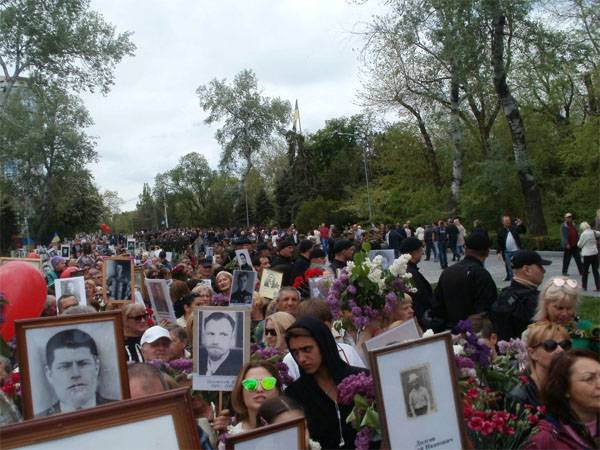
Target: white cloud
<point x="302" y="49"/>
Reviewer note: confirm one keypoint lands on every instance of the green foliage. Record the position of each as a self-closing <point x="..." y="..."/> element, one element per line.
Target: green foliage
<point x="8" y="221"/>
<point x="312" y="213"/>
<point x="263" y="209"/>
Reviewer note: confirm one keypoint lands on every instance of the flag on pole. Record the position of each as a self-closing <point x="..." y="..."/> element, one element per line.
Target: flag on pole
<point x="296" y="127"/>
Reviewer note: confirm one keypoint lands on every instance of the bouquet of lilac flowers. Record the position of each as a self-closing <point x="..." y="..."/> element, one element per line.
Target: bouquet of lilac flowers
<point x="368" y="290"/>
<point x="273" y="356"/>
<point x="359" y="390"/>
<point x="219" y="300"/>
<point x="178" y="369"/>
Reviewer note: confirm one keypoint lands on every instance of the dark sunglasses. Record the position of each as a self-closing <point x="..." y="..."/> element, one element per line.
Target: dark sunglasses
<point x="138" y="318"/>
<point x="550" y="345"/>
<point x="270" y="332"/>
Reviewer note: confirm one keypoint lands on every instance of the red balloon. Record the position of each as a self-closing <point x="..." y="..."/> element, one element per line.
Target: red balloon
<point x="24" y="288"/>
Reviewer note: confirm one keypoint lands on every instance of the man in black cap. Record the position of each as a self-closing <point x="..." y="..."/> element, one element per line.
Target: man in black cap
<point x="422" y="299"/>
<point x="283" y="262"/>
<point x="303" y="261"/>
<point x="466" y="290"/>
<point x="516" y="304"/>
<point x="342" y="249"/>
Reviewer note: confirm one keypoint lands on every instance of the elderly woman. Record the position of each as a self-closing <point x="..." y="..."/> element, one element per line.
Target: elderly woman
<point x="224" y="280"/>
<point x="572" y="396"/>
<point x="134" y="325"/>
<point x="557" y="303"/>
<point x="545" y="341"/>
<point x="204" y="292"/>
<point x="589" y="251"/>
<point x="275" y="326"/>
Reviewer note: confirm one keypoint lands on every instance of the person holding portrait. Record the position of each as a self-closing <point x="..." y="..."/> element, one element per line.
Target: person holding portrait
<point x="72" y="370"/>
<point x="134" y="324"/>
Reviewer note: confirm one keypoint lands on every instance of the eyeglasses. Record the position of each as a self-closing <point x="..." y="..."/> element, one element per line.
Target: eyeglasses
<point x="138" y="318"/>
<point x="270" y="332"/>
<point x="550" y="345"/>
<point x="560" y="282"/>
<point x="267" y="383"/>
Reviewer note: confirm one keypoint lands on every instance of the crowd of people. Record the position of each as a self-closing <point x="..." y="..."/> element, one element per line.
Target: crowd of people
<point x="198" y="265"/>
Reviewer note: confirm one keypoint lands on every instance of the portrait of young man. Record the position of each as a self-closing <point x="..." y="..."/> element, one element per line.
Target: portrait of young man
<point x="218" y="354"/>
<point x="243" y="287"/>
<point x="72" y="369"/>
<point x="243" y="259"/>
<point x="119" y="282"/>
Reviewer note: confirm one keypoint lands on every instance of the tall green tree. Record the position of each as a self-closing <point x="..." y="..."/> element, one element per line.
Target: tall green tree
<point x="249" y="121"/>
<point x="61" y="40"/>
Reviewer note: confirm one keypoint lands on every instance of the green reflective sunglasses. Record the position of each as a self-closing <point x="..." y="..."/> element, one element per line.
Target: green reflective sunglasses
<point x="267" y="383"/>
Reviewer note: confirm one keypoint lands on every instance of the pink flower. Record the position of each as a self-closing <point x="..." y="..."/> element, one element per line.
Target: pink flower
<point x="487" y="428"/>
<point x="472" y="393"/>
<point x="533" y="419"/>
<point x="475" y="423"/>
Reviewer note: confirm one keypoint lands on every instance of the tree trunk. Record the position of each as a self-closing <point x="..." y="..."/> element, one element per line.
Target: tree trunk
<point x="592" y="99"/>
<point x="457" y="160"/>
<point x="529" y="187"/>
<point x="429" y="152"/>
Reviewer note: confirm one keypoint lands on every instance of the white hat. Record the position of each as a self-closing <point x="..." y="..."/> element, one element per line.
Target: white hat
<point x="154" y="333"/>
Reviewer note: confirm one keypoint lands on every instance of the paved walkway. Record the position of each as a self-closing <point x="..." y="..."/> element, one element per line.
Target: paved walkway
<point x="494" y="264"/>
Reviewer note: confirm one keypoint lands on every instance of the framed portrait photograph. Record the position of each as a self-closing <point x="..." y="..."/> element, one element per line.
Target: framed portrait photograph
<point x="119" y="281"/>
<point x="210" y="251"/>
<point x="34" y="262"/>
<point x="242" y="287"/>
<point x="406" y="331"/>
<point x="139" y="278"/>
<point x="270" y="283"/>
<point x="160" y="299"/>
<point x="131" y="246"/>
<point x="74" y="286"/>
<point x="71" y="362"/>
<point x="65" y="251"/>
<point x="289" y="435"/>
<point x="221" y="346"/>
<point x="319" y="286"/>
<point x="243" y="259"/>
<point x="155" y="422"/>
<point x="417" y="394"/>
<point x="387" y="256"/>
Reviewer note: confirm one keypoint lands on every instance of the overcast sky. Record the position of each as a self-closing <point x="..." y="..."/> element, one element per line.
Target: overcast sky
<point x="299" y="49"/>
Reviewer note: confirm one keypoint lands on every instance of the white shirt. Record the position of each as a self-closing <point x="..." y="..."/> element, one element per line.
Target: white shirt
<point x="213" y="366"/>
<point x="511" y="244"/>
<point x="587" y="242"/>
<point x="347" y="353"/>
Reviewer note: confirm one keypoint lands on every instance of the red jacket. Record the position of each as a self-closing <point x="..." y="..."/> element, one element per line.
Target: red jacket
<point x="552" y="435"/>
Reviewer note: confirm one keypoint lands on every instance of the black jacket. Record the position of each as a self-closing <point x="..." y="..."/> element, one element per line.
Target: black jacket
<point x="422" y="299"/>
<point x="300" y="266"/>
<point x="285" y="266"/>
<point x="230" y="367"/>
<point x="320" y="410"/>
<point x="464" y="289"/>
<point x="452" y="234"/>
<point x="395" y="239"/>
<point x="513" y="310"/>
<point x="515" y="231"/>
<point x="524" y="393"/>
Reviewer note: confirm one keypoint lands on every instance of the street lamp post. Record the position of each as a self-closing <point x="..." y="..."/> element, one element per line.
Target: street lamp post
<point x="365" y="154"/>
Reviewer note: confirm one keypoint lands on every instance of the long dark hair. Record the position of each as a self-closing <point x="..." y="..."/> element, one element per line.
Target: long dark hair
<point x="557" y="387"/>
<point x="272" y="408"/>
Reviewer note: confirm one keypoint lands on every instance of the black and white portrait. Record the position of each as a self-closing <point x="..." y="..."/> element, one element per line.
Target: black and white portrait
<point x="270" y="283"/>
<point x="74" y="286"/>
<point x="387" y="257"/>
<point x="131" y="246"/>
<point x="160" y="299"/>
<point x="418" y="393"/>
<point x="73" y="366"/>
<point x="243" y="259"/>
<point x="65" y="251"/>
<point x="210" y="251"/>
<point x="242" y="287"/>
<point x="221" y="345"/>
<point x="118" y="275"/>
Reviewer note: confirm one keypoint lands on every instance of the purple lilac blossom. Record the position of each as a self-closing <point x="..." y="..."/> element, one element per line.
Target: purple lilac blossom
<point x="363" y="439"/>
<point x="359" y="383"/>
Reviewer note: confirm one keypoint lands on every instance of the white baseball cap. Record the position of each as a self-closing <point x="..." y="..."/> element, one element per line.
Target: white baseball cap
<point x="154" y="333"/>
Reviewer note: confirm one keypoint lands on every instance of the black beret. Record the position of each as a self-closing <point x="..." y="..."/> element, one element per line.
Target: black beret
<point x="477" y="242"/>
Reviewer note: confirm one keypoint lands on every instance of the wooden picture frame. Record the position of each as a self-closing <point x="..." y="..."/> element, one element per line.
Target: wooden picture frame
<point x="37" y="263"/>
<point x="266" y="438"/>
<point x="118" y="261"/>
<point x="136" y="423"/>
<point x="39" y="395"/>
<point x="406" y="331"/>
<point x="422" y="363"/>
<point x="230" y="366"/>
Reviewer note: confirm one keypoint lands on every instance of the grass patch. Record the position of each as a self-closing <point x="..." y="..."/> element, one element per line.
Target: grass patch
<point x="589" y="309"/>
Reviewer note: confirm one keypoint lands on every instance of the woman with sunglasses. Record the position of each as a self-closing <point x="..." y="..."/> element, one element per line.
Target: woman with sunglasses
<point x="257" y="382"/>
<point x="572" y="398"/>
<point x="134" y="325"/>
<point x="546" y="340"/>
<point x="275" y="326"/>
